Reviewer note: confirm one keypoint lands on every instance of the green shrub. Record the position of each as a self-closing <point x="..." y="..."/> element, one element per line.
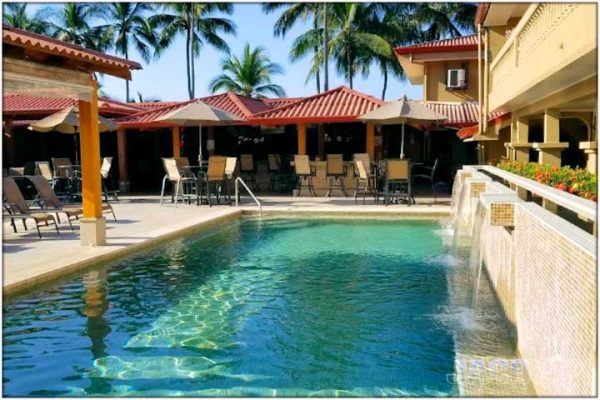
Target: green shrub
<point x="576" y="181"/>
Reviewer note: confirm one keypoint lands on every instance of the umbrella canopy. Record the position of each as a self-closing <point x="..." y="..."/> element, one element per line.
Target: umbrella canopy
<point x="401" y="112"/>
<point x="195" y="114"/>
<point x="67" y="121"/>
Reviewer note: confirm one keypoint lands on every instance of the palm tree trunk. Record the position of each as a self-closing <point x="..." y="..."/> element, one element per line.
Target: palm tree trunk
<point x="385" y="82"/>
<point x="325" y="50"/>
<point x="193" y="72"/>
<point x="126" y="80"/>
<point x="187" y="63"/>
<point x="350" y="70"/>
<point x="318" y="80"/>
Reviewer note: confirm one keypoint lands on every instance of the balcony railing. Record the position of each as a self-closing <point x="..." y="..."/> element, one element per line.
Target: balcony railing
<point x="548" y="37"/>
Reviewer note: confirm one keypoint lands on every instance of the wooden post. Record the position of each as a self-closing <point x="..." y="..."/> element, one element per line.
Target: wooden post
<point x="93" y="229"/>
<point x="122" y="152"/>
<point x="176" y="142"/>
<point x="321" y="139"/>
<point x="371" y="140"/>
<point x="301" y="139"/>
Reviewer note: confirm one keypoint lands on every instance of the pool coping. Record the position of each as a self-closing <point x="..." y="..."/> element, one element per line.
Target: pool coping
<point x="22" y="286"/>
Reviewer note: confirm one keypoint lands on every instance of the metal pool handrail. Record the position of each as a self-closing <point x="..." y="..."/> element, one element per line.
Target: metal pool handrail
<point x="581" y="206"/>
<point x="237" y="198"/>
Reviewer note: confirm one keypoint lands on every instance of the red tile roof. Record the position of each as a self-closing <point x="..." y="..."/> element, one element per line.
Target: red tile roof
<point x="147" y="118"/>
<point x="341" y="104"/>
<point x="494" y="119"/>
<point x="147" y="105"/>
<point x="278" y="102"/>
<point x="236" y="104"/>
<point x="45" y="44"/>
<point x="462" y="43"/>
<point x="21" y="105"/>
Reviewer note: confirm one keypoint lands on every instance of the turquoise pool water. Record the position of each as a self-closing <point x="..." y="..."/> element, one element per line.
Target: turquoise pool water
<point x="273" y="308"/>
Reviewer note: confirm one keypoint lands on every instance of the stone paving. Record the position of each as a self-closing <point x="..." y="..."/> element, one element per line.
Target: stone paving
<point x="142" y="222"/>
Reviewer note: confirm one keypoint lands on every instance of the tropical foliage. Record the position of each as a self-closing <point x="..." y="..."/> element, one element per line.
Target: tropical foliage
<point x="200" y="26"/>
<point x="15" y="14"/>
<point x="249" y="75"/>
<point x="576" y="181"/>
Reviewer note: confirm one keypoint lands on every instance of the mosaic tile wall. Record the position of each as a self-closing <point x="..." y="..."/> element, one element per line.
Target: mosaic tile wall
<point x="546" y="284"/>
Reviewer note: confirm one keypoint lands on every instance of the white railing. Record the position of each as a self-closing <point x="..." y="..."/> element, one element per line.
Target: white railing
<point x="583" y="207"/>
<point x="237" y="196"/>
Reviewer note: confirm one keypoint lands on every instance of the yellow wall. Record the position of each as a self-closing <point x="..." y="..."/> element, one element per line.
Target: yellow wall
<point x="436" y="73"/>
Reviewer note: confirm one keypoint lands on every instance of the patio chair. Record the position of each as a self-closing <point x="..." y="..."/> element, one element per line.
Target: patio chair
<point x="366" y="160"/>
<point x="274" y="170"/>
<point x="50" y="202"/>
<point x="43" y="168"/>
<point x="179" y="182"/>
<point x="107" y="177"/>
<point x="184" y="167"/>
<point x="248" y="169"/>
<point x="397" y="181"/>
<point x="19" y="209"/>
<point x="216" y="178"/>
<point x="427" y="174"/>
<point x="363" y="186"/>
<point x="305" y="173"/>
<point x="62" y="173"/>
<point x="16" y="171"/>
<point x="336" y="172"/>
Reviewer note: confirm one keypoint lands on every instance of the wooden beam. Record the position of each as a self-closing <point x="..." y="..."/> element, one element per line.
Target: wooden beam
<point x="301" y="139"/>
<point x="176" y="141"/>
<point x="122" y="152"/>
<point x="90" y="156"/>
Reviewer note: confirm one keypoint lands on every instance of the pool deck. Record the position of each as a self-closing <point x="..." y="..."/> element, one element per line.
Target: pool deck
<point x="142" y="222"/>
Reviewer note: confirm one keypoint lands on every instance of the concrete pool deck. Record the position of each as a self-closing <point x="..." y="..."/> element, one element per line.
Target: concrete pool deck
<point x="142" y="222"/>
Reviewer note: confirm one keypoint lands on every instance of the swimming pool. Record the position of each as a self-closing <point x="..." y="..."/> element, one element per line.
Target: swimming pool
<point x="281" y="307"/>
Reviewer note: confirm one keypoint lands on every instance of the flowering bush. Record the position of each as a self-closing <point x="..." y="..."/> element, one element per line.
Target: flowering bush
<point x="576" y="181"/>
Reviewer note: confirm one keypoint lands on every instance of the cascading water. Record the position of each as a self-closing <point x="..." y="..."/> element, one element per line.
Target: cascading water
<point x="475" y="256"/>
<point x="458" y="215"/>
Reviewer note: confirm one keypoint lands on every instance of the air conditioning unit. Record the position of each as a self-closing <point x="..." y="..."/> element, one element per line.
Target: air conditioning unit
<point x="456" y="79"/>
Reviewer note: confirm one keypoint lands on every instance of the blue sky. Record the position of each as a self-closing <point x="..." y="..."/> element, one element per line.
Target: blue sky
<point x="165" y="79"/>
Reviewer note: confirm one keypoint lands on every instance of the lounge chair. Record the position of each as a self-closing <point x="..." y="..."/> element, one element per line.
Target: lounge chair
<point x="336" y="172"/>
<point x="304" y="172"/>
<point x="50" y="202"/>
<point x="363" y="186"/>
<point x="179" y="182"/>
<point x="427" y="174"/>
<point x="248" y="169"/>
<point x="106" y="176"/>
<point x="397" y="181"/>
<point x="19" y="209"/>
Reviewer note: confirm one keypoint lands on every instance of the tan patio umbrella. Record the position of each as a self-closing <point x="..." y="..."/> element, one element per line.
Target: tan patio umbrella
<point x="198" y="113"/>
<point x="67" y="121"/>
<point x="400" y="112"/>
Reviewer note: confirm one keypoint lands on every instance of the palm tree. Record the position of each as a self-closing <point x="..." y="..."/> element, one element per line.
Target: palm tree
<point x="303" y="44"/>
<point x="249" y="76"/>
<point x="200" y="27"/>
<point x="444" y="20"/>
<point x="71" y="23"/>
<point x="15" y="14"/>
<point x="129" y="27"/>
<point x="356" y="41"/>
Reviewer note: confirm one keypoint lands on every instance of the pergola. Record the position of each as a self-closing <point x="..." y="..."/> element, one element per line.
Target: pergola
<point x="39" y="65"/>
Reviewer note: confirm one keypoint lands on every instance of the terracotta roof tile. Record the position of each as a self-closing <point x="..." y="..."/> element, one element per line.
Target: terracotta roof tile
<point x="461" y="43"/>
<point x="278" y="102"/>
<point x="341" y="104"/>
<point x="21" y="38"/>
<point x="20" y="104"/>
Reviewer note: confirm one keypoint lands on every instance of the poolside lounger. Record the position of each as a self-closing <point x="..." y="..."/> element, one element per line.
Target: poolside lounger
<point x="20" y="209"/>
<point x="52" y="203"/>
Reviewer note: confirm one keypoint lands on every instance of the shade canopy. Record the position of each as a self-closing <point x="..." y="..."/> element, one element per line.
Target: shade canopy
<point x="67" y="121"/>
<point x="402" y="111"/>
<point x="196" y="113"/>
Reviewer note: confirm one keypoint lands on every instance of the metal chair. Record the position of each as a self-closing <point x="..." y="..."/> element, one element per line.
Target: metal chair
<point x="366" y="160"/>
<point x="274" y="170"/>
<point x="216" y="177"/>
<point x="173" y="175"/>
<point x="397" y="181"/>
<point x="336" y="171"/>
<point x="304" y="172"/>
<point x="363" y="186"/>
<point x="43" y="168"/>
<point x="106" y="176"/>
<point x="428" y="174"/>
<point x="248" y="169"/>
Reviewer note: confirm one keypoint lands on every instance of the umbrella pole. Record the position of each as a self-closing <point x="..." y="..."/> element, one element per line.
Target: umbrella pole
<point x="402" y="143"/>
<point x="200" y="144"/>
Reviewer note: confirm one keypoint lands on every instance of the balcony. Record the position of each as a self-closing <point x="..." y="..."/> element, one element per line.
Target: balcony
<point x="551" y="49"/>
